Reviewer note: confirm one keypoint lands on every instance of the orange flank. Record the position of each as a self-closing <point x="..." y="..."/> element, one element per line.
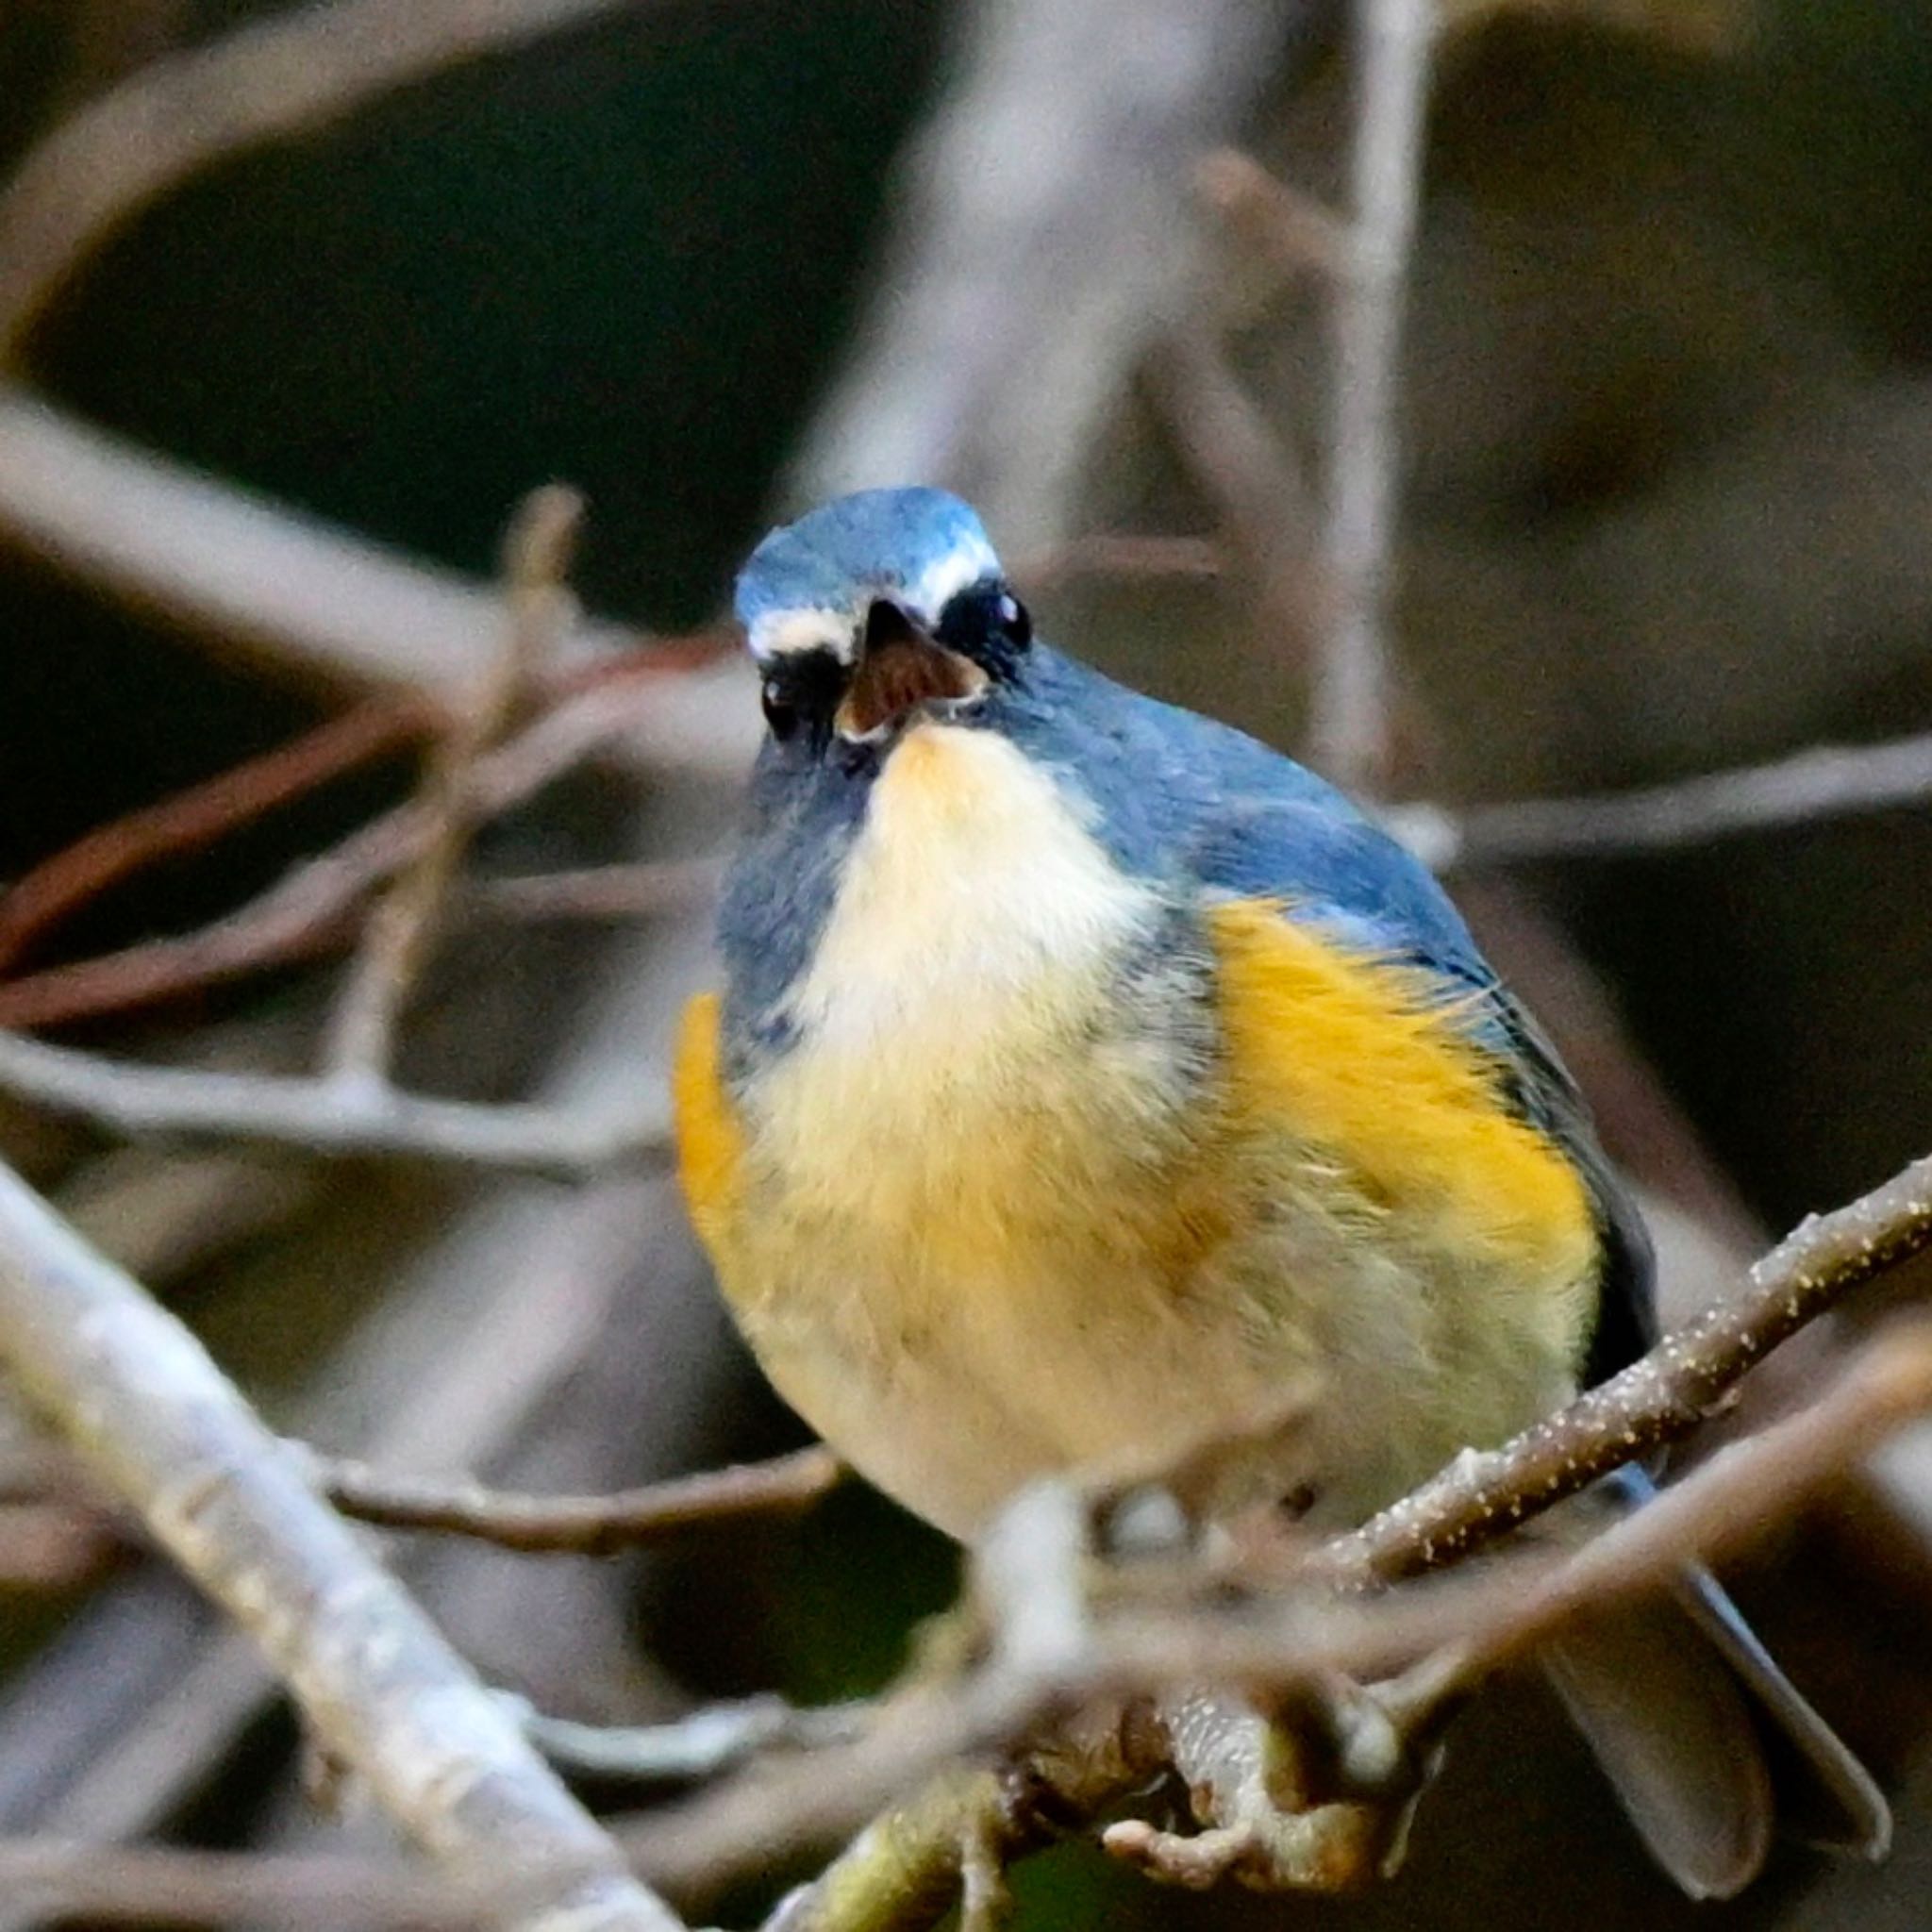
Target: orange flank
<point x="710" y="1147"/>
<point x="1363" y="1057"/>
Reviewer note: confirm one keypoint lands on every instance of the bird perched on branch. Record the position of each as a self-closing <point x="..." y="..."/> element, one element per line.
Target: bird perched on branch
<point x="1086" y="1073"/>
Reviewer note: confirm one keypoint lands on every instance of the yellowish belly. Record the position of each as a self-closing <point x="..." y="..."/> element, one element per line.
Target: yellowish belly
<point x="990" y="1215"/>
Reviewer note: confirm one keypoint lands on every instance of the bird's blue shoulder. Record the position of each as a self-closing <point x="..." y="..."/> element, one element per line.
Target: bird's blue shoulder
<point x="1182" y="798"/>
<point x="1198" y="805"/>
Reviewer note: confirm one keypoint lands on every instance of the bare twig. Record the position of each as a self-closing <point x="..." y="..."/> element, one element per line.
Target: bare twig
<point x="178" y="115"/>
<point x="160" y="1426"/>
<point x="689" y="1749"/>
<point x="402" y="926"/>
<point x="1349" y="729"/>
<point x="591" y="1526"/>
<point x="1655" y="1401"/>
<point x="583" y="1525"/>
<point x="1818" y="783"/>
<point x="1290" y="230"/>
<point x="302" y="597"/>
<point x="1303" y="1640"/>
<point x="1119" y="555"/>
<point x="596" y="891"/>
<point x="321" y="1116"/>
<point x="310" y="908"/>
<point x="1255" y="485"/>
<point x="198" y="817"/>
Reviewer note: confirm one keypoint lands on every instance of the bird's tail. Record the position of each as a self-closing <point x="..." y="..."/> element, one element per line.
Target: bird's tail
<point x="1688" y="1714"/>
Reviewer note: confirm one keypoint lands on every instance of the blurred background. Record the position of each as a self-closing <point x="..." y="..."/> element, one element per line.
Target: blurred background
<point x="1666" y="508"/>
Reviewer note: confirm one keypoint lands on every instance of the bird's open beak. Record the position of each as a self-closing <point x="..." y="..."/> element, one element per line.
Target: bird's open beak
<point x="900" y="668"/>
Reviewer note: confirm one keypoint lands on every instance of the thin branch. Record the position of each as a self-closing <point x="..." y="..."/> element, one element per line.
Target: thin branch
<point x="1820" y="783"/>
<point x="161" y="1427"/>
<point x="688" y="1750"/>
<point x="197" y="817"/>
<point x="1657" y="1400"/>
<point x="1121" y="554"/>
<point x="303" y="598"/>
<point x="402" y="926"/>
<point x="635" y="890"/>
<point x="1303" y="1639"/>
<point x="1255" y="485"/>
<point x="318" y="1116"/>
<point x="177" y="116"/>
<point x="1290" y="229"/>
<point x="582" y="1526"/>
<point x="309" y="908"/>
<point x="1349" y="727"/>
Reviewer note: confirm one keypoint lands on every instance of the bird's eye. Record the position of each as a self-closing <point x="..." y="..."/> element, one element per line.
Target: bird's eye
<point x="989" y="624"/>
<point x="1013" y="619"/>
<point x="781" y="714"/>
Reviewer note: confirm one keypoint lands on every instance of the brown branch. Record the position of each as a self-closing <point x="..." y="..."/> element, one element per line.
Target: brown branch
<point x="198" y="817"/>
<point x="160" y="1426"/>
<point x="402" y="925"/>
<point x="582" y="1526"/>
<point x="1287" y="228"/>
<point x="319" y="1116"/>
<point x="1254" y="486"/>
<point x="634" y="890"/>
<point x="310" y="908"/>
<point x="1310" y="1633"/>
<point x="177" y="116"/>
<point x="1120" y="553"/>
<point x="1818" y="783"/>
<point x="1655" y="1401"/>
<point x="1349" y="730"/>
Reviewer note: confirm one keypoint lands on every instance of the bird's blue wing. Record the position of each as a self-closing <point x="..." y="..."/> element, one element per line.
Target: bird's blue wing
<point x="1292" y="838"/>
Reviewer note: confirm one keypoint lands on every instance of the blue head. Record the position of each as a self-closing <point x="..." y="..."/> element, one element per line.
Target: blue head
<point x="885" y="610"/>
<point x="872" y="608"/>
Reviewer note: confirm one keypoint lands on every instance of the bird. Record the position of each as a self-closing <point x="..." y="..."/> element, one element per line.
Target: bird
<point x="1086" y="1073"/>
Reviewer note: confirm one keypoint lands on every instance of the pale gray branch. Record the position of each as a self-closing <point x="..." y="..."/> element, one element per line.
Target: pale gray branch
<point x="320" y="1116"/>
<point x="1818" y="783"/>
<point x="161" y="1427"/>
<point x="178" y="115"/>
<point x="688" y="1750"/>
<point x="301" y="596"/>
<point x="1349" y="699"/>
<point x="1042" y="238"/>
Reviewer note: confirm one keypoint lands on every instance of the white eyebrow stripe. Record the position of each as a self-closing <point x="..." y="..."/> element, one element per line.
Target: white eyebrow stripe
<point x="945" y="576"/>
<point x="786" y="633"/>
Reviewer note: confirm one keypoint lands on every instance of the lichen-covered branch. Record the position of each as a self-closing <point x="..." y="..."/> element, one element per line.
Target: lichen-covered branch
<point x="1297" y="1632"/>
<point x="1655" y="1401"/>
